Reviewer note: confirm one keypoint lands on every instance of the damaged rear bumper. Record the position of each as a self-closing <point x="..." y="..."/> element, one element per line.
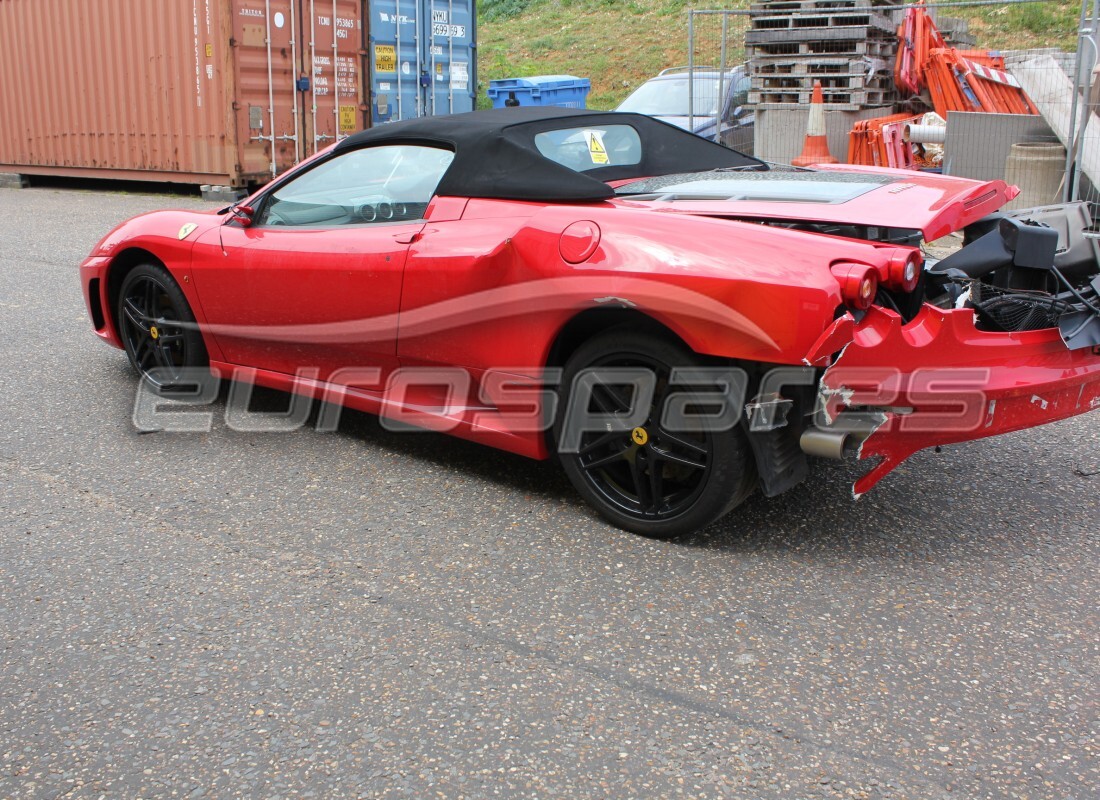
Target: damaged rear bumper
<point x="938" y="380"/>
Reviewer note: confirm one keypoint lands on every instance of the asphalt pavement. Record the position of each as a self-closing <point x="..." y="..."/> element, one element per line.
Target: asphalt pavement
<point x="375" y="614"/>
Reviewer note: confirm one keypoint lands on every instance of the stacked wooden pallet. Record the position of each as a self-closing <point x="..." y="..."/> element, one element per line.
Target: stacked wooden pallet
<point x="848" y="45"/>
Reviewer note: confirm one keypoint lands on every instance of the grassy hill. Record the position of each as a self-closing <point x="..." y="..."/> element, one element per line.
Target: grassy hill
<point x="618" y="44"/>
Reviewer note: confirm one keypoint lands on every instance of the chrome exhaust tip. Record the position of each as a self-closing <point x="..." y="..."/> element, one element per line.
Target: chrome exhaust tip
<point x="825" y="444"/>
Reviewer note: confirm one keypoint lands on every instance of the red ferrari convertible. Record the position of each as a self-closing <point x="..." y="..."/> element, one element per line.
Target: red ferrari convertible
<point x="680" y="324"/>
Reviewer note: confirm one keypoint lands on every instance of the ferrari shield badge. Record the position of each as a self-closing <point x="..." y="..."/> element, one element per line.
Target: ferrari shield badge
<point x="187" y="230"/>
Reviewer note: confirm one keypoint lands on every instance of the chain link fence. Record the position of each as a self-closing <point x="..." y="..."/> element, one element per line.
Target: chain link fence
<point x="962" y="104"/>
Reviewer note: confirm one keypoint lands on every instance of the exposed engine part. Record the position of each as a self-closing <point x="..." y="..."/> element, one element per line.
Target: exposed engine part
<point x="869" y="233"/>
<point x="1078" y="249"/>
<point x="1028" y="270"/>
<point x="780" y="463"/>
<point x="1010" y="243"/>
<point x="1008" y="310"/>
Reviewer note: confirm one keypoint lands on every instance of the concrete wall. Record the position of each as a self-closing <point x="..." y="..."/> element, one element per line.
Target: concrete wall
<point x="780" y="132"/>
<point x="978" y="144"/>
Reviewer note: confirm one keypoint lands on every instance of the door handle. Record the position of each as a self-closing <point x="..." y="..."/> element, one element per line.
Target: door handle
<point x="406" y="238"/>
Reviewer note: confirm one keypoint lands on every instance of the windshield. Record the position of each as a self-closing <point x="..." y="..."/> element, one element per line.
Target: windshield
<point x="668" y="97"/>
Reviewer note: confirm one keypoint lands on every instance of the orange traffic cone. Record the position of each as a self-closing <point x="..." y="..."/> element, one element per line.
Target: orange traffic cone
<point x="816" y="148"/>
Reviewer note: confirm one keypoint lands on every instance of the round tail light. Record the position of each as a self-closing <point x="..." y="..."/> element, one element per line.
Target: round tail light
<point x="858" y="284"/>
<point x="904" y="269"/>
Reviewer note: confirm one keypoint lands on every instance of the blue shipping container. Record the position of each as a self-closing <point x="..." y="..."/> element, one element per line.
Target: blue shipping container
<point x="423" y="58"/>
<point x="541" y="90"/>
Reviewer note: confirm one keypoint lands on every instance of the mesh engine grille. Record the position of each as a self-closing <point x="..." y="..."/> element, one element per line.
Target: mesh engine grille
<point x="1012" y="310"/>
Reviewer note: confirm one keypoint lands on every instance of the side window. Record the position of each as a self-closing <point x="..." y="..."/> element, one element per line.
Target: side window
<point x="391" y="183"/>
<point x="740" y="94"/>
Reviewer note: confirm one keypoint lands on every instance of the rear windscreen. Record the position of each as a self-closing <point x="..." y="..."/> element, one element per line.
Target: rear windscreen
<point x="582" y="149"/>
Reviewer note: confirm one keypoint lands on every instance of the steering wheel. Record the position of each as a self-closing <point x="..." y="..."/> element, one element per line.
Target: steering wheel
<point x="272" y="217"/>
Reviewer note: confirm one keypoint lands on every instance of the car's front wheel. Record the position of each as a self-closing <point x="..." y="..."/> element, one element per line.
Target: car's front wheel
<point x="646" y="478"/>
<point x="156" y="325"/>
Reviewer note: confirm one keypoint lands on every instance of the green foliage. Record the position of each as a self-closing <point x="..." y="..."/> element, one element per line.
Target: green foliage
<point x="619" y="44"/>
<point x="496" y="10"/>
<point x="1018" y="26"/>
<point x="492" y="10"/>
<point x="551" y="42"/>
<point x="671" y="7"/>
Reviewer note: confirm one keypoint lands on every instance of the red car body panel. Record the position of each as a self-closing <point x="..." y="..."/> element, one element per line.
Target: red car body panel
<point x="954" y="382"/>
<point x="933" y="204"/>
<point x="156" y="233"/>
<point x="298" y="278"/>
<point x="272" y="302"/>
<point x="718" y="301"/>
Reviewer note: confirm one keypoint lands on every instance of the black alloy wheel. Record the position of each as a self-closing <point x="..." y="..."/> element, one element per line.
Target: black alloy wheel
<point x="157" y="327"/>
<point x="648" y="479"/>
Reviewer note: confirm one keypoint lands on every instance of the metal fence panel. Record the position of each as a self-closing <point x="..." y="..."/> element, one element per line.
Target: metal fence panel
<point x="777" y="49"/>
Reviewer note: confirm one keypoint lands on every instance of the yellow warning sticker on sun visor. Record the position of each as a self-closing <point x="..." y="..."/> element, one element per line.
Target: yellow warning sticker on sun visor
<point x="596" y="150"/>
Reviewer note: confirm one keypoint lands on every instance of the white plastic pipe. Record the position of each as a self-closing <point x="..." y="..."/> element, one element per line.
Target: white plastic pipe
<point x="925" y="134"/>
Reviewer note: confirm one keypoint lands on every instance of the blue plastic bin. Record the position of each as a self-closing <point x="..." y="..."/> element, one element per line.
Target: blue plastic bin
<point x="542" y="90"/>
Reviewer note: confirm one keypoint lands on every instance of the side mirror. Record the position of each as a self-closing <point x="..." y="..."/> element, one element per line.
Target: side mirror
<point x="243" y="215"/>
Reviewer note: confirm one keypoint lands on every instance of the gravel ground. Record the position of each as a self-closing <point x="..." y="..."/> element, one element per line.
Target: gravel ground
<point x="369" y="614"/>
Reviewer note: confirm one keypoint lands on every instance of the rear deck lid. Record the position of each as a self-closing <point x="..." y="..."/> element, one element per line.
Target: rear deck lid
<point x="935" y="204"/>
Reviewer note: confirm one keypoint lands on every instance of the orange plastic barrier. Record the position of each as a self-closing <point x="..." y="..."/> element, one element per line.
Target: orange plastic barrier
<point x="956" y="80"/>
<point x="880" y="142"/>
<point x="957" y="83"/>
<point x="917" y="35"/>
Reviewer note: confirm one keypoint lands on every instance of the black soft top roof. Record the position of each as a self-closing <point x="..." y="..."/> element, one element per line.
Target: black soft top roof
<point x="495" y="153"/>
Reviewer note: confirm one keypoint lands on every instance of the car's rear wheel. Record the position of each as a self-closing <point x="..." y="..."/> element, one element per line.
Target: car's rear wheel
<point x="157" y="327"/>
<point x="646" y="478"/>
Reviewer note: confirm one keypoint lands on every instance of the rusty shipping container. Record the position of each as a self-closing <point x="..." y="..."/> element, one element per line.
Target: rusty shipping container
<point x="226" y="92"/>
